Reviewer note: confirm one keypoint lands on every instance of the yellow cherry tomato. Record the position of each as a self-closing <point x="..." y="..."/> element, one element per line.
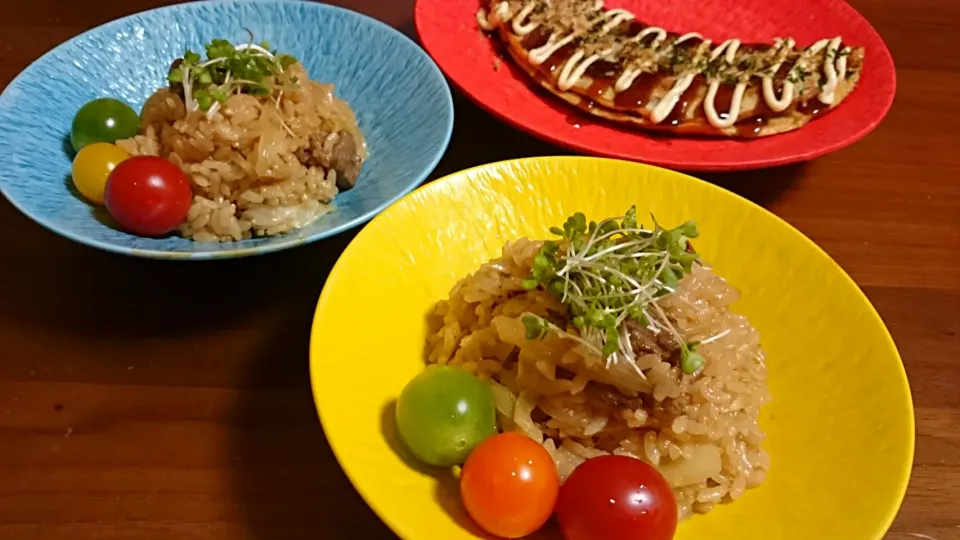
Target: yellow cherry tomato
<point x="93" y="166"/>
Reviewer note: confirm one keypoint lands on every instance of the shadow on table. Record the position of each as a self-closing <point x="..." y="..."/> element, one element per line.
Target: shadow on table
<point x="488" y="139"/>
<point x="762" y="186"/>
<point x="77" y="290"/>
<point x="286" y="479"/>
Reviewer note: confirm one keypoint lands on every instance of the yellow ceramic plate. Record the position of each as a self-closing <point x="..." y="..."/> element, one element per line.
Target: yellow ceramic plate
<point x="840" y="426"/>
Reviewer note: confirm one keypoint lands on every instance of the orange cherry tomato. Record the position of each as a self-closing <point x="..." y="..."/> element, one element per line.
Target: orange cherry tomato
<point x="509" y="485"/>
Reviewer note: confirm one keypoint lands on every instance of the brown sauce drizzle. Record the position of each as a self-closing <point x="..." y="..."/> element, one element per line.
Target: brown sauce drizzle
<point x="812" y="107"/>
<point x="751" y="127"/>
<point x="558" y="58"/>
<point x="602" y="69"/>
<point x="579" y="120"/>
<point x="604" y="75"/>
<point x="691" y="44"/>
<point x="622" y="29"/>
<point x="574" y="120"/>
<point x="724" y="100"/>
<point x="780" y="77"/>
<point x="648" y="39"/>
<point x="598" y="88"/>
<point x="634" y="27"/>
<point x="639" y="92"/>
<point x="536" y="39"/>
<point x="678" y="114"/>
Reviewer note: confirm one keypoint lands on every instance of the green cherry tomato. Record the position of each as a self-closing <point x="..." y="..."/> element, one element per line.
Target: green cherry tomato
<point x="443" y="413"/>
<point x="103" y="120"/>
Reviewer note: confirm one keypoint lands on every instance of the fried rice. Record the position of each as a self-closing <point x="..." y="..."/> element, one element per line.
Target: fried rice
<point x="259" y="166"/>
<point x="701" y="431"/>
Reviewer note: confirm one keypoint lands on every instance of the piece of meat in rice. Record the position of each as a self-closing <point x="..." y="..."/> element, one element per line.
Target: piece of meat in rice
<point x="337" y="151"/>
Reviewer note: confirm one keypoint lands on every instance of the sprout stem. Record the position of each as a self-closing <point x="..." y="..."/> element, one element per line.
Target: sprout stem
<point x="611" y="272"/>
<point x="257" y="48"/>
<point x="188" y="91"/>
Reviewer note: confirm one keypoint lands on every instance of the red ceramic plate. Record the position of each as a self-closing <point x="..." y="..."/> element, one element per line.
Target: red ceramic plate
<point x="449" y="32"/>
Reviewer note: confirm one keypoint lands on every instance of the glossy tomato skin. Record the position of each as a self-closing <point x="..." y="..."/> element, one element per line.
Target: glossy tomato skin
<point x="509" y="485"/>
<point x="103" y="120"/>
<point x="93" y="166"/>
<point x="443" y="413"/>
<point x="148" y="195"/>
<point x="616" y="498"/>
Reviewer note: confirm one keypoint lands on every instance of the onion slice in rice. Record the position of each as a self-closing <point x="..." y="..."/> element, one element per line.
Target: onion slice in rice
<point x="703" y="463"/>
<point x="522" y="415"/>
<point x="505" y="402"/>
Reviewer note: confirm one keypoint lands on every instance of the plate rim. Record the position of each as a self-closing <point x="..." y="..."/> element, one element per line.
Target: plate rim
<point x="280" y="245"/>
<point x="883" y="56"/>
<point x="336" y="273"/>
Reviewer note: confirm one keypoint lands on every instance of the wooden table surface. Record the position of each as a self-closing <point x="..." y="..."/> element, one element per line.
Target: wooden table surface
<point x="131" y="408"/>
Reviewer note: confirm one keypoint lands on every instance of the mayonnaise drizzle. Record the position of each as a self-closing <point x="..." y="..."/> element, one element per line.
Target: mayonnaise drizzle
<point x="709" y="105"/>
<point x="566" y="80"/>
<point x="484" y="22"/>
<point x="786" y="96"/>
<point x="835" y="62"/>
<point x="669" y="101"/>
<point x="572" y="72"/>
<point x="666" y="105"/>
<point x="834" y="66"/>
<point x="625" y="80"/>
<point x="519" y="28"/>
<point x="661" y="35"/>
<point x="687" y="36"/>
<point x="501" y="14"/>
<point x="620" y="16"/>
<point x="541" y="54"/>
<point x="629" y="75"/>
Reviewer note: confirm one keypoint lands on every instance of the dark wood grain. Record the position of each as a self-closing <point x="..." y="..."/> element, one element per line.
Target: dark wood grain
<point x="131" y="409"/>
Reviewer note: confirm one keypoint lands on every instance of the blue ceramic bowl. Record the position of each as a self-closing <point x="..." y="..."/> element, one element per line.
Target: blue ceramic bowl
<point x="402" y="102"/>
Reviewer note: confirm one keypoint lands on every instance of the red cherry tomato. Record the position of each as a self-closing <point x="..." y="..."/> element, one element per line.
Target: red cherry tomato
<point x="509" y="485"/>
<point x="616" y="498"/>
<point x="148" y="195"/>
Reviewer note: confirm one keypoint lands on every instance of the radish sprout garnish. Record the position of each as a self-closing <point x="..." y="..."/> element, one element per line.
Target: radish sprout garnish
<point x="609" y="273"/>
<point x="242" y="69"/>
